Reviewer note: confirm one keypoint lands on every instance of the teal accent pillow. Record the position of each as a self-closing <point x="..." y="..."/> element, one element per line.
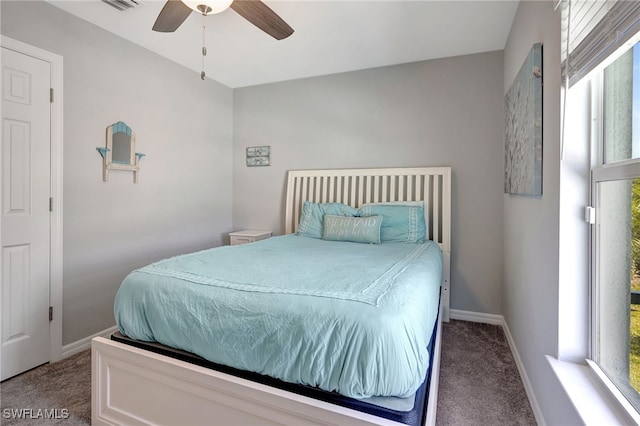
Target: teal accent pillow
<point x="402" y="222"/>
<point x="312" y="217"/>
<point x="354" y="229"/>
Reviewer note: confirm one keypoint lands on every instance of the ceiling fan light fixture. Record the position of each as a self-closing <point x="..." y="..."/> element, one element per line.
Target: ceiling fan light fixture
<point x="208" y="7"/>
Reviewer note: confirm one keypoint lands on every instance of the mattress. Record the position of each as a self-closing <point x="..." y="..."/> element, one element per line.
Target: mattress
<point x="347" y="318"/>
<point x="409" y="410"/>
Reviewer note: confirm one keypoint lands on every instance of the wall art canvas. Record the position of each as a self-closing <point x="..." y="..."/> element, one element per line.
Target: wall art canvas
<point x="523" y="128"/>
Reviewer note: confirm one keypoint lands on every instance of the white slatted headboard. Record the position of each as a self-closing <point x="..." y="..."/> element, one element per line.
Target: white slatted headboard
<point x="359" y="186"/>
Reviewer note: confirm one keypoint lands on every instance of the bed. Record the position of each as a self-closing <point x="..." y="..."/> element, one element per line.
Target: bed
<point x="137" y="384"/>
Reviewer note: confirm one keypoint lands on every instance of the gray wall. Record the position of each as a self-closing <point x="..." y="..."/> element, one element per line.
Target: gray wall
<point x="531" y="224"/>
<point x="183" y="199"/>
<point x="432" y="113"/>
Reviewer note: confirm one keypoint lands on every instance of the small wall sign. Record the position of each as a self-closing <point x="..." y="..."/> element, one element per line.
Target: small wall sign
<point x="258" y="156"/>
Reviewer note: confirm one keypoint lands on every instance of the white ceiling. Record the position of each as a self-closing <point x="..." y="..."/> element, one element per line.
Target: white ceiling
<point x="331" y="36"/>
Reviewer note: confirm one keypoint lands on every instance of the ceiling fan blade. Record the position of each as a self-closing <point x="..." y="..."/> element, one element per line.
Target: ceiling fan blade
<point x="260" y="15"/>
<point x="171" y="16"/>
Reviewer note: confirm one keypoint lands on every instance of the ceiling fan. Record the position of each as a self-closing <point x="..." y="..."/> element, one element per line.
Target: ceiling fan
<point x="174" y="13"/>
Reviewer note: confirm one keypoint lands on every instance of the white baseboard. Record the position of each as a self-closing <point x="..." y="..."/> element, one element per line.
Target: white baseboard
<point x="494" y="319"/>
<point x="82" y="344"/>
<point x="537" y="412"/>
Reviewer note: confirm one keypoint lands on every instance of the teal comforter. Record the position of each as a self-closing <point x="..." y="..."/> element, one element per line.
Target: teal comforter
<point x="345" y="317"/>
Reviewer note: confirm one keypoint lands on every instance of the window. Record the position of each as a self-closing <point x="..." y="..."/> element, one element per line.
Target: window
<point x="616" y="235"/>
<point x="600" y="74"/>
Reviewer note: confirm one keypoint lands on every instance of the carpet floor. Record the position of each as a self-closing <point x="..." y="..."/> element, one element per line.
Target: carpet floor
<point x="479" y="380"/>
<point x="479" y="384"/>
<point x="64" y="385"/>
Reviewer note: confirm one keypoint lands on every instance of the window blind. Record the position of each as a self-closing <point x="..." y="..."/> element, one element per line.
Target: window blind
<point x="592" y="30"/>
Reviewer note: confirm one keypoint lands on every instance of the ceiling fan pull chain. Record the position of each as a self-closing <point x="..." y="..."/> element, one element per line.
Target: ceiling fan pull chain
<point x="204" y="47"/>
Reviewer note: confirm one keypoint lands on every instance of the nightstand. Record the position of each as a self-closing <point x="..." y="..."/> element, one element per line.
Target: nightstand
<point x="248" y="236"/>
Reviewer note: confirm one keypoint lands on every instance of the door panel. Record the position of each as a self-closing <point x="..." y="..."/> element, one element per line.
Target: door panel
<point x="25" y="223"/>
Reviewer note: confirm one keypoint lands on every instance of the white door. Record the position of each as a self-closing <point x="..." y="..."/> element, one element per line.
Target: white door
<point x="25" y="222"/>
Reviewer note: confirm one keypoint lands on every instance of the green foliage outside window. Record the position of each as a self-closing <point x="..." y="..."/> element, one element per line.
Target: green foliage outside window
<point x="634" y="359"/>
<point x="635" y="228"/>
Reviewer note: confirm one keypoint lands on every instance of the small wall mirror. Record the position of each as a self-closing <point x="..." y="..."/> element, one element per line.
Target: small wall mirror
<point x="119" y="153"/>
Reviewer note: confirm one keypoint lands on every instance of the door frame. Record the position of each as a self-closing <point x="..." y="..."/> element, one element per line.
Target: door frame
<point x="56" y="186"/>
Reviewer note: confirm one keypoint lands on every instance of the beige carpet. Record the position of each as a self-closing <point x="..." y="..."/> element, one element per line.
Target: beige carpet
<point x="479" y="384"/>
<point x="64" y="385"/>
<point x="479" y="380"/>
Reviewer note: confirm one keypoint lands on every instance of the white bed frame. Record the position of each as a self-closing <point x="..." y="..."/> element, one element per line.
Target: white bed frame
<point x="133" y="386"/>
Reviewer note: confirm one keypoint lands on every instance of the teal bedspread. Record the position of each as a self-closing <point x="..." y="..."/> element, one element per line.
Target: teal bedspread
<point x="346" y="317"/>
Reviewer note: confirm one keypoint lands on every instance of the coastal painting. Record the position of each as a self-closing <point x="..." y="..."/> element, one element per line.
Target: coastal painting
<point x="523" y="128"/>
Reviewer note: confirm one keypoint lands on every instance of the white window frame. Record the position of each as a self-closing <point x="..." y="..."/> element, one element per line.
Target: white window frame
<point x="600" y="172"/>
